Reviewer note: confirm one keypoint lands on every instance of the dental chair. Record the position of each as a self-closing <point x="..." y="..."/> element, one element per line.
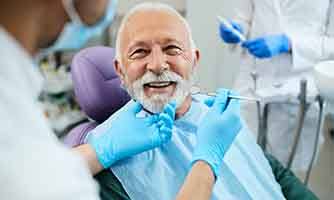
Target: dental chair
<point x="98" y="91"/>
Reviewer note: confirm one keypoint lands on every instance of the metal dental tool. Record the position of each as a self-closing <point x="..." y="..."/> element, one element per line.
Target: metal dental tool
<point x="236" y="97"/>
<point x="196" y="90"/>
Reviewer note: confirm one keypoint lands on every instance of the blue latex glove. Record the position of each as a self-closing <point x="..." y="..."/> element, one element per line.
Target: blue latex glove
<point x="227" y="35"/>
<point x="130" y="135"/>
<point x="268" y="46"/>
<point x="218" y="130"/>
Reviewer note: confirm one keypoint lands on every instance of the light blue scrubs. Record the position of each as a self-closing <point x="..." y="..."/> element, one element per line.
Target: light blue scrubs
<point x="159" y="173"/>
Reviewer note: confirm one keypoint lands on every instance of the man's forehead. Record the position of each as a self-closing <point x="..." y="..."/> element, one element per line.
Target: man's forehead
<point x="154" y="25"/>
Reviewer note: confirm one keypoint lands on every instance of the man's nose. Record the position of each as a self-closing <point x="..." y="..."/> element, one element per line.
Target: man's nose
<point x="157" y="63"/>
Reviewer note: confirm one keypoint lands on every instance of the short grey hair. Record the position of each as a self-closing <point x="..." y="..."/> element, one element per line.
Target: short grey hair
<point x="150" y="6"/>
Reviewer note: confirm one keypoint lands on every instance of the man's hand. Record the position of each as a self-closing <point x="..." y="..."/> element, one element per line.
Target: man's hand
<point x="130" y="135"/>
<point x="218" y="130"/>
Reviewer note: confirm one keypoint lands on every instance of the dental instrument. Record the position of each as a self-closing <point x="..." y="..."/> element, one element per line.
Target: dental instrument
<point x="196" y="90"/>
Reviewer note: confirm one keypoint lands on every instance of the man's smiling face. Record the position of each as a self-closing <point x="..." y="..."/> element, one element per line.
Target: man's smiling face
<point x="156" y="59"/>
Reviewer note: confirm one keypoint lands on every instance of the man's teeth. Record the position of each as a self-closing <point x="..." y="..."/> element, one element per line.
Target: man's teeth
<point x="159" y="84"/>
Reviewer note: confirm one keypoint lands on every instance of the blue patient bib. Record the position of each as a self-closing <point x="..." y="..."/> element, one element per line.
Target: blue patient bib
<point x="158" y="174"/>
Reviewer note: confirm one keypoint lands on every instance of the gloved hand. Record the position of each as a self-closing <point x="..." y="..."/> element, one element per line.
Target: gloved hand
<point x="227" y="35"/>
<point x="268" y="46"/>
<point x="219" y="129"/>
<point x="130" y="135"/>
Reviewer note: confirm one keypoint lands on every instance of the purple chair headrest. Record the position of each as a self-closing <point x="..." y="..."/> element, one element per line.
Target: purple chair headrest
<point x="96" y="84"/>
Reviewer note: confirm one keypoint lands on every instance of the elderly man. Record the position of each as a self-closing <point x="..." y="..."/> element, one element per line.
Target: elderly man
<point x="155" y="60"/>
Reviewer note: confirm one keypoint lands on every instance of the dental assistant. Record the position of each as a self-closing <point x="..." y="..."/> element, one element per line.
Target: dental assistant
<point x="33" y="164"/>
<point x="285" y="39"/>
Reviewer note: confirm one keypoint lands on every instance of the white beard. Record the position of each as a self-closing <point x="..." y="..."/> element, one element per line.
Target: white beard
<point x="157" y="102"/>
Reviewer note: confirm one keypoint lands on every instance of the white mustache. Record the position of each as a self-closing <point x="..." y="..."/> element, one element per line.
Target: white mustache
<point x="165" y="76"/>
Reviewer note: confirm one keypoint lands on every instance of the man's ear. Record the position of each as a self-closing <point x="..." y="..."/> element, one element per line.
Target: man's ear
<point x="197" y="56"/>
<point x="119" y="71"/>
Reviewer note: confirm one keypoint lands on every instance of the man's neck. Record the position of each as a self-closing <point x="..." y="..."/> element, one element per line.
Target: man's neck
<point x="184" y="107"/>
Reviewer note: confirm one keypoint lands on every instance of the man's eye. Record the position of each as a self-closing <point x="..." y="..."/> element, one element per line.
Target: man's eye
<point x="172" y="50"/>
<point x="139" y="53"/>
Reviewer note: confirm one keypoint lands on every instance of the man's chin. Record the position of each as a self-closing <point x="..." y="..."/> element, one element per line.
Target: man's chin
<point x="155" y="104"/>
<point x="154" y="108"/>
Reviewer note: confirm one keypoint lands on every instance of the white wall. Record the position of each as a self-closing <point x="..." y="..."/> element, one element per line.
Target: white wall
<point x="216" y="69"/>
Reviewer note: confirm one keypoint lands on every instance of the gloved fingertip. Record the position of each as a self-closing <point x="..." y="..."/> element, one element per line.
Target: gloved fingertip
<point x="257" y="53"/>
<point x="221" y="26"/>
<point x="249" y="43"/>
<point x="222" y="90"/>
<point x="173" y="103"/>
<point x="168" y="121"/>
<point x="236" y="26"/>
<point x="222" y="95"/>
<point x="136" y="107"/>
<point x="209" y="101"/>
<point x="170" y="110"/>
<point x="152" y="119"/>
<point x="244" y="44"/>
<point x="165" y="134"/>
<point x="234" y="106"/>
<point x="234" y="93"/>
<point x="155" y="117"/>
<point x="221" y="99"/>
<point x="160" y="123"/>
<point x="227" y="32"/>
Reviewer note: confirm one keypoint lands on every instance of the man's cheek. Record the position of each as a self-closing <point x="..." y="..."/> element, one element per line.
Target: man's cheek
<point x="181" y="67"/>
<point x="135" y="74"/>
